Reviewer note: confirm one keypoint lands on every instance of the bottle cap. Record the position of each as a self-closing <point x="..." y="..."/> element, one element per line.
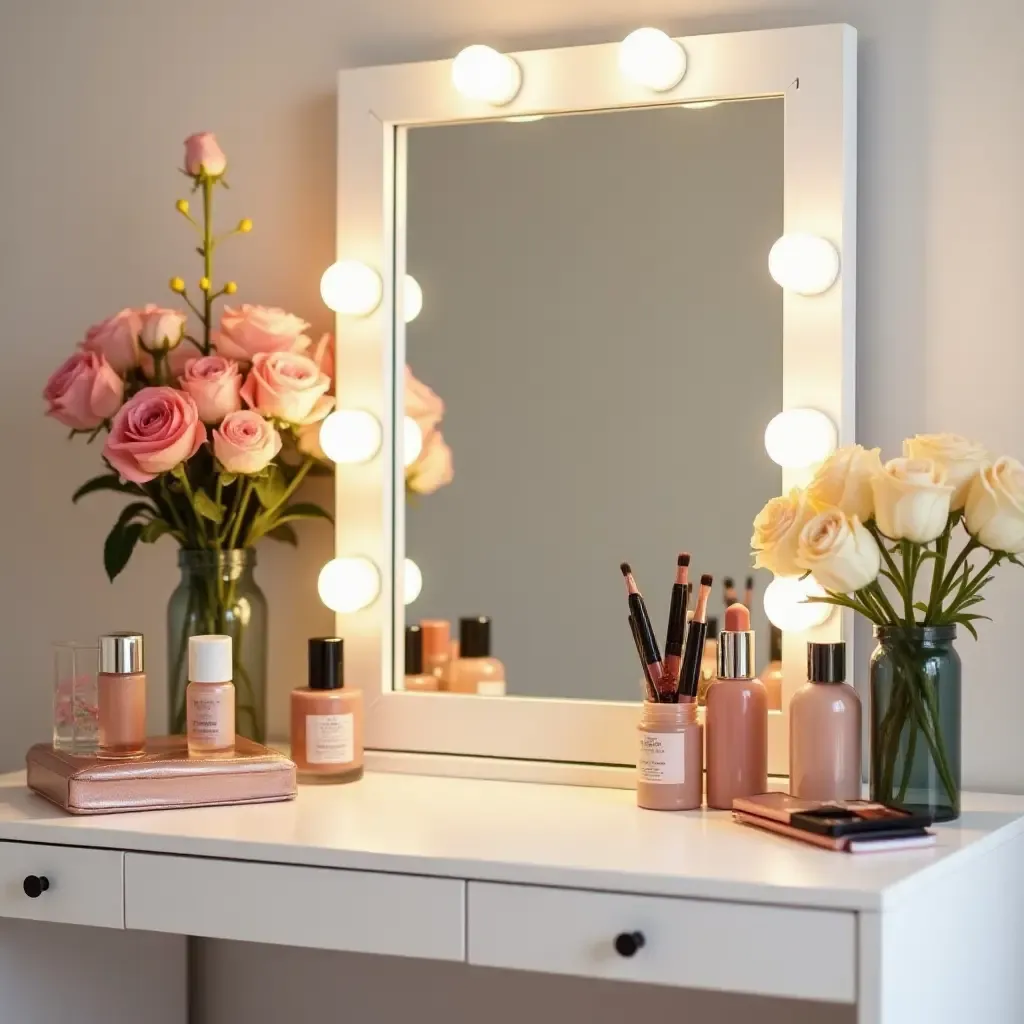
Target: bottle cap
<point x="414" y="650"/>
<point x="736" y="654"/>
<point x="326" y="663"/>
<point x="437" y="636"/>
<point x="121" y="653"/>
<point x="775" y="652"/>
<point x="475" y="637"/>
<point x="209" y="659"/>
<point x="712" y="632"/>
<point x="826" y="663"/>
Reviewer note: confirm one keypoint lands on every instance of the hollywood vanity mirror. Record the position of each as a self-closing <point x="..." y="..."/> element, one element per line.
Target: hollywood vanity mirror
<point x="614" y="266"/>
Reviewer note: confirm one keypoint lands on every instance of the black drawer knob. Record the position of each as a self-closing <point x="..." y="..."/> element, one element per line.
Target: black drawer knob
<point x="627" y="943"/>
<point x="35" y="886"/>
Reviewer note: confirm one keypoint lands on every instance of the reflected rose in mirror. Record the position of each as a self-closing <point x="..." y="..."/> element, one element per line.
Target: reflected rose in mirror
<point x="421" y="404"/>
<point x="433" y="469"/>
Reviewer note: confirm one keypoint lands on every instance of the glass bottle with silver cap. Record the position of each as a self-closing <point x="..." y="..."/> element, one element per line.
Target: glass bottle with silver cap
<point x="121" y="686"/>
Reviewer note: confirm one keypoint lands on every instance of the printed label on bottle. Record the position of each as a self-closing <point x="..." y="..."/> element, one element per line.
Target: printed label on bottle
<point x="330" y="739"/>
<point x="661" y="758"/>
<point x="211" y="715"/>
<point x="491" y="688"/>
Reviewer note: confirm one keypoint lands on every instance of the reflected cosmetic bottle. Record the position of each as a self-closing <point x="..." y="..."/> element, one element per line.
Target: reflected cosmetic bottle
<point x="415" y="678"/>
<point x="475" y="671"/>
<point x="709" y="660"/>
<point x="121" y="695"/>
<point x="772" y="675"/>
<point x="737" y="717"/>
<point x="327" y="719"/>
<point x="210" y="697"/>
<point x="437" y="643"/>
<point x="824" y="729"/>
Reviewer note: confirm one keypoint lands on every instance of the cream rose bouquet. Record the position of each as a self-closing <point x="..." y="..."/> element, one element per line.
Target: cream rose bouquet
<point x="879" y="539"/>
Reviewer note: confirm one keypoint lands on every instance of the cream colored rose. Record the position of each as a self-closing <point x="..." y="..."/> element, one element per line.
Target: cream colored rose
<point x="843" y="481"/>
<point x="912" y="499"/>
<point x="995" y="506"/>
<point x="961" y="457"/>
<point x="838" y="552"/>
<point x="777" y="531"/>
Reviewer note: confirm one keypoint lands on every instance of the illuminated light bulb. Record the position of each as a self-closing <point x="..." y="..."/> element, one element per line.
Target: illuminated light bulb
<point x="351" y="288"/>
<point x="412" y="300"/>
<point x="412" y="581"/>
<point x="412" y="441"/>
<point x="481" y="73"/>
<point x="700" y="104"/>
<point x="798" y="438"/>
<point x="525" y="118"/>
<point x="350" y="435"/>
<point x="349" y="584"/>
<point x="785" y="604"/>
<point x="805" y="264"/>
<point x="652" y="59"/>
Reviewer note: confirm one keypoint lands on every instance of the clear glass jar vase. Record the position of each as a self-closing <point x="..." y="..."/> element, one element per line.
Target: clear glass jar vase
<point x="219" y="594"/>
<point x="915" y="720"/>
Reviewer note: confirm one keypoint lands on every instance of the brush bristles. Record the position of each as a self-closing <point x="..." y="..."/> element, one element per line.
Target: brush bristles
<point x="750" y="583"/>
<point x="683" y="559"/>
<point x="728" y="582"/>
<point x="624" y="566"/>
<point x="707" y="579"/>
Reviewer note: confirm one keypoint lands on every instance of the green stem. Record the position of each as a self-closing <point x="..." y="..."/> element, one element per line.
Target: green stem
<point x="246" y="493"/>
<point x="266" y="518"/>
<point x="971" y="589"/>
<point x="883" y="601"/>
<point x="169" y="500"/>
<point x="909" y="578"/>
<point x="190" y="494"/>
<point x="939" y="570"/>
<point x="217" y="502"/>
<point x="207" y="260"/>
<point x="950" y="577"/>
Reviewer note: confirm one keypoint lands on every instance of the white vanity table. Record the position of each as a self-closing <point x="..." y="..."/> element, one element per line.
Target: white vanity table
<point x="547" y="878"/>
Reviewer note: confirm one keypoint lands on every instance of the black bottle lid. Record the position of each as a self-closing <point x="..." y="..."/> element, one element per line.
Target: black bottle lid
<point x="326" y="663"/>
<point x="475" y="637"/>
<point x="712" y="633"/>
<point x="414" y="650"/>
<point x="826" y="663"/>
<point x="775" y="644"/>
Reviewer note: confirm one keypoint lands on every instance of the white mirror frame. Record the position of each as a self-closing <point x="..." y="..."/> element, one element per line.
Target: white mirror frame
<point x="814" y="69"/>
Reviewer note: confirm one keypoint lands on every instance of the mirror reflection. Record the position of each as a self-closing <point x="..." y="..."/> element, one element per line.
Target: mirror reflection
<point x="596" y="353"/>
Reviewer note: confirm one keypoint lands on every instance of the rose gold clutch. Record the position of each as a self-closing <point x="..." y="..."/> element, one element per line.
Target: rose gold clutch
<point x="164" y="776"/>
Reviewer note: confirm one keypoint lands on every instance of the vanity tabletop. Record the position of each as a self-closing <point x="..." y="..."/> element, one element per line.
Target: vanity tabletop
<point x="528" y="833"/>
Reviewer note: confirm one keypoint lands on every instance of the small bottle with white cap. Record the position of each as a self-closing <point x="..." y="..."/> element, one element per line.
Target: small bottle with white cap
<point x="210" y="698"/>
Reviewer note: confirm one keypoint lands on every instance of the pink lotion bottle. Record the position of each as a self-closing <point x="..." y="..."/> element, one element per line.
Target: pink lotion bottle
<point x="210" y="697"/>
<point x="737" y="717"/>
<point x="824" y="730"/>
<point x="121" y="696"/>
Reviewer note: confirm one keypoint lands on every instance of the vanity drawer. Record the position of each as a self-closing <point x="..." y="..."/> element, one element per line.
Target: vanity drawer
<point x="323" y="908"/>
<point x="733" y="947"/>
<point x="82" y="886"/>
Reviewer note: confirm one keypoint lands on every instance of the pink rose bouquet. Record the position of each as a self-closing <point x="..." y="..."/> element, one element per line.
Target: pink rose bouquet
<point x="208" y="425"/>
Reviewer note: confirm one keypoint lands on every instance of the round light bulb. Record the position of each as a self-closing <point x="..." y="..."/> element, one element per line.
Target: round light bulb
<point x="351" y="288"/>
<point x="481" y="73"/>
<point x="412" y="299"/>
<point x="652" y="59"/>
<point x="785" y="604"/>
<point x="412" y="582"/>
<point x="412" y="441"/>
<point x="350" y="435"/>
<point x="525" y="118"/>
<point x="798" y="438"/>
<point x="349" y="584"/>
<point x="805" y="264"/>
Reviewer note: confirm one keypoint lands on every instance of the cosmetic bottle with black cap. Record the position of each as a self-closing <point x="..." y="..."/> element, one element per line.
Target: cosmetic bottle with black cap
<point x="824" y="730"/>
<point x="416" y="680"/>
<point x="475" y="671"/>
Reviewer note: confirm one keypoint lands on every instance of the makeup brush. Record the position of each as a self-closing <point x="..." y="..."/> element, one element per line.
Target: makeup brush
<point x="652" y="691"/>
<point x="729" y="591"/>
<point x="748" y="596"/>
<point x="676" y="623"/>
<point x="648" y="643"/>
<point x="695" y="636"/>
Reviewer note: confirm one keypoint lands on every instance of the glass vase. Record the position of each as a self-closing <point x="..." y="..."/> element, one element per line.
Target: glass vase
<point x="915" y="720"/>
<point x="219" y="594"/>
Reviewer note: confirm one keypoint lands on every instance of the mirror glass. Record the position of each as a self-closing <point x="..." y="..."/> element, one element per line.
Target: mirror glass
<point x="599" y="325"/>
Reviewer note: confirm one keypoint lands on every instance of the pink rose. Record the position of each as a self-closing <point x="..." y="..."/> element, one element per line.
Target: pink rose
<point x="245" y="442"/>
<point x="421" y="404"/>
<point x="203" y="155"/>
<point x="433" y="469"/>
<point x="153" y="433"/>
<point x="117" y="339"/>
<point x="214" y="382"/>
<point x="83" y="392"/>
<point x="323" y="354"/>
<point x="287" y="386"/>
<point x="248" y="330"/>
<point x="161" y="328"/>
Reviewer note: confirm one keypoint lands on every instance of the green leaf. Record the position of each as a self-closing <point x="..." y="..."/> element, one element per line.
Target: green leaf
<point x="970" y="629"/>
<point x="154" y="530"/>
<point x="179" y="472"/>
<point x="207" y="507"/>
<point x="921" y="606"/>
<point x="285" y="534"/>
<point x="118" y="547"/>
<point x="271" y="487"/>
<point x="106" y="482"/>
<point x="227" y="479"/>
<point x="305" y="510"/>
